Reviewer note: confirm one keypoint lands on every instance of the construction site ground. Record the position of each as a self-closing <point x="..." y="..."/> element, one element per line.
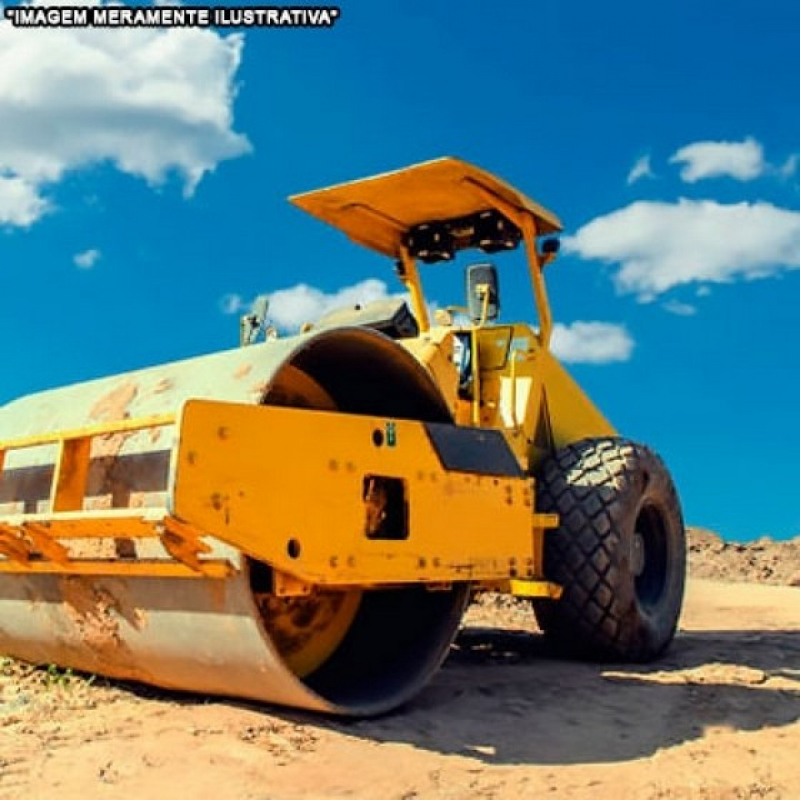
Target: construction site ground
<point x="717" y="717"/>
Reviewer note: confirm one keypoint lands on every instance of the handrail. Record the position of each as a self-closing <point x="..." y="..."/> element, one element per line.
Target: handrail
<point x="89" y="432"/>
<point x="70" y="474"/>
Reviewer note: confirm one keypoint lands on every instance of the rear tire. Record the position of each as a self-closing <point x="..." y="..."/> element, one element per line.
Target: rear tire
<point x="619" y="553"/>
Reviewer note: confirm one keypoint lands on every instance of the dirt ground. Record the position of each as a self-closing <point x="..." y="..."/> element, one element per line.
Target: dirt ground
<point x="718" y="717"/>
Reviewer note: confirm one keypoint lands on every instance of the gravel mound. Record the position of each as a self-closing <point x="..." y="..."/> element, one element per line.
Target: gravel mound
<point x="762" y="561"/>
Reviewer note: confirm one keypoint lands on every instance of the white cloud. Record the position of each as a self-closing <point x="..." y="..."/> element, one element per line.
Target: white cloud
<point x="680" y="309"/>
<point x="662" y="245"/>
<point x="87" y="259"/>
<point x="743" y="160"/>
<point x="789" y="167"/>
<point x="153" y="102"/>
<point x="580" y="342"/>
<point x="20" y="202"/>
<point x="591" y="342"/>
<point x="290" y="308"/>
<point x="234" y="304"/>
<point x="641" y="169"/>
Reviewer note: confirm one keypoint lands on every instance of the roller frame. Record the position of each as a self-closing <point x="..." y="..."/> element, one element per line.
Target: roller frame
<point x="269" y="481"/>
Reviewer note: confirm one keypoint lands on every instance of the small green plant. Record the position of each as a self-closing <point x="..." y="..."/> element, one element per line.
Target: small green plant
<point x="55" y="676"/>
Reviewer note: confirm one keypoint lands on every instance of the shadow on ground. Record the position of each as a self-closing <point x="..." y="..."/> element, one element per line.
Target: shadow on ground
<point x="504" y="699"/>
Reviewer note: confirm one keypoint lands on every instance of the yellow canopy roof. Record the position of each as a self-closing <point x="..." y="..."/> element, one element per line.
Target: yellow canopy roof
<point x="376" y="212"/>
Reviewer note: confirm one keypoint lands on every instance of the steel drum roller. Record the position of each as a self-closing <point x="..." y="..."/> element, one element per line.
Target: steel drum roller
<point x="347" y="652"/>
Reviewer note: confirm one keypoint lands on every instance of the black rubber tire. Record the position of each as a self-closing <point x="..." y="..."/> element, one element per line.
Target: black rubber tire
<point x="619" y="553"/>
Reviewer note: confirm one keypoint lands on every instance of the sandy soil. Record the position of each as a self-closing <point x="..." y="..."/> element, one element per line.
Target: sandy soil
<point x="718" y="717"/>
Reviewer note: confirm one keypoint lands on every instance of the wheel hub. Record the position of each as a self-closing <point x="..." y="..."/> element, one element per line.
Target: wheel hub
<point x="637" y="554"/>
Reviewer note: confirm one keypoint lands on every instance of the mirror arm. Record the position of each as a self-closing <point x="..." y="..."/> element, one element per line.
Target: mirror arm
<point x="482" y="290"/>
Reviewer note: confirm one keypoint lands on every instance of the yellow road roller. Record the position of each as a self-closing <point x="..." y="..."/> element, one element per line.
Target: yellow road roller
<point x="302" y="520"/>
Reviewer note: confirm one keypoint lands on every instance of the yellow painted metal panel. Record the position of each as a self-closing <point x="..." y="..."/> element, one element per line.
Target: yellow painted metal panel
<point x="289" y="487"/>
<point x="115" y="523"/>
<point x="31" y="542"/>
<point x="573" y="416"/>
<point x="435" y="351"/>
<point x="376" y="211"/>
<point x="543" y="589"/>
<point x="72" y="470"/>
<point x="150" y="569"/>
<point x="12" y="547"/>
<point x="409" y="276"/>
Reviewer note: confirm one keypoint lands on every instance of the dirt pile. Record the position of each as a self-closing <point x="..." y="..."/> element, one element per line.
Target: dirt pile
<point x="763" y="560"/>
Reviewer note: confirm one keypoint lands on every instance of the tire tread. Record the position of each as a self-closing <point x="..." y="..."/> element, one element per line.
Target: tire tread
<point x="589" y="484"/>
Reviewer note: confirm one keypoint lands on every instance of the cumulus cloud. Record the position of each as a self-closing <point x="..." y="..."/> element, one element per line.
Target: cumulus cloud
<point x="20" y="202"/>
<point x="680" y="309"/>
<point x="591" y="342"/>
<point x="657" y="246"/>
<point x="579" y="342"/>
<point x="789" y="167"/>
<point x="290" y="308"/>
<point x="87" y="259"/>
<point x="641" y="169"/>
<point x="152" y="102"/>
<point x="743" y="160"/>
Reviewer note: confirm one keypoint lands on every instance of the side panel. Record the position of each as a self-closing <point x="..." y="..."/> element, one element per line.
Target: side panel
<point x="573" y="416"/>
<point x="309" y="491"/>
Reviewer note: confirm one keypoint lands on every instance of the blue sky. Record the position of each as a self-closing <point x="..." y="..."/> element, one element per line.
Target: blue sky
<point x="143" y="177"/>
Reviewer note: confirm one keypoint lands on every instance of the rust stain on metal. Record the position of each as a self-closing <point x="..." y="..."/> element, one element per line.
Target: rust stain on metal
<point x="138" y="499"/>
<point x="221" y="503"/>
<point x="95" y="614"/>
<point x="242" y="371"/>
<point x="164" y="385"/>
<point x="110" y="444"/>
<point x="99" y="503"/>
<point x="217" y="595"/>
<point x="260" y="388"/>
<point x="294" y="621"/>
<point x="114" y="405"/>
<point x="109" y="408"/>
<point x="91" y="548"/>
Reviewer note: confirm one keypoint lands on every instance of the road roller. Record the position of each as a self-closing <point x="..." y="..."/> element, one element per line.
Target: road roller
<point x="303" y="519"/>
